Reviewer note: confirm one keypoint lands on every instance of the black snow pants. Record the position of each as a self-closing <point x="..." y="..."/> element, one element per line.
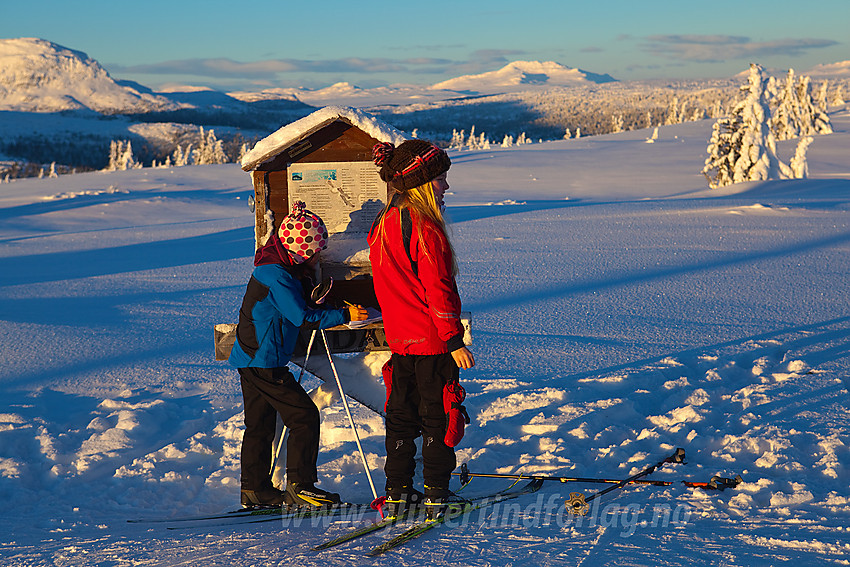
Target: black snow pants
<point x="414" y="407"/>
<point x="267" y="392"/>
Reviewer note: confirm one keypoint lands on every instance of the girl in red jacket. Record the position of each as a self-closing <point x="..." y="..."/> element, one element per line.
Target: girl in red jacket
<point x="414" y="269"/>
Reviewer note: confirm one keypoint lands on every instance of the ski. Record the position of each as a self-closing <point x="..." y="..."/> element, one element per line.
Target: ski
<point x="376" y="526"/>
<point x="578" y="504"/>
<point x="272" y="510"/>
<point x="296" y="515"/>
<point x="466" y="507"/>
<point x="365" y="530"/>
<point x="276" y="511"/>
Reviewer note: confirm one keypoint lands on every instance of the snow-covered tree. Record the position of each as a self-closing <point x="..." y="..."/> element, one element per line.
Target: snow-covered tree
<point x="53" y="173"/>
<point x="651" y="139"/>
<point x="743" y="147"/>
<point x="181" y="156"/>
<point x="121" y="156"/>
<point x="799" y="164"/>
<point x="210" y="150"/>
<point x="673" y="116"/>
<point x="805" y="105"/>
<point x="457" y="139"/>
<point x="472" y="141"/>
<point x="567" y="134"/>
<point x="244" y="149"/>
<point x="477" y="142"/>
<point x="820" y="123"/>
<point x="507" y="141"/>
<point x="796" y="112"/>
<point x="723" y="152"/>
<point x="616" y="123"/>
<point x="837" y="96"/>
<point x="716" y="110"/>
<point x="786" y="109"/>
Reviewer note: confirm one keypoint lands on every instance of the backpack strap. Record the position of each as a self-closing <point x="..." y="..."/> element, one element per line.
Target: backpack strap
<point x="407" y="237"/>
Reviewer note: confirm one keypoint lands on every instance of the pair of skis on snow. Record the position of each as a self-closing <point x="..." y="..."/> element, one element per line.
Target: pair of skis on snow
<point x="578" y="503"/>
<point x="455" y="510"/>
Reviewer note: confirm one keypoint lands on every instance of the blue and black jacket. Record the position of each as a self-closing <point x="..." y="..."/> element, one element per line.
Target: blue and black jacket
<point x="273" y="312"/>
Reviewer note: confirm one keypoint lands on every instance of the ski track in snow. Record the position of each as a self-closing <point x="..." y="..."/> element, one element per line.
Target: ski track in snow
<point x="607" y="333"/>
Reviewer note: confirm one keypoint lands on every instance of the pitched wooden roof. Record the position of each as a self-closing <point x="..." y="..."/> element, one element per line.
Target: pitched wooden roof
<point x="289" y="135"/>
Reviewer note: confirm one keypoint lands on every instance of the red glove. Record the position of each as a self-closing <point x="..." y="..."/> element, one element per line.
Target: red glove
<point x="456" y="416"/>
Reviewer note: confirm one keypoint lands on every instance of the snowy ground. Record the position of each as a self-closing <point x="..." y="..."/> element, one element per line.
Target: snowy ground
<point x="619" y="311"/>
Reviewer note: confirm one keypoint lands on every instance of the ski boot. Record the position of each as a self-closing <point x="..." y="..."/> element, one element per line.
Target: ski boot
<point x="265" y="498"/>
<point x="402" y="498"/>
<point x="436" y="501"/>
<point x="300" y="494"/>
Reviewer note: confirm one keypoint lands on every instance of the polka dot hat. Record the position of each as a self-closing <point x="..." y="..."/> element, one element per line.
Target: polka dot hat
<point x="302" y="233"/>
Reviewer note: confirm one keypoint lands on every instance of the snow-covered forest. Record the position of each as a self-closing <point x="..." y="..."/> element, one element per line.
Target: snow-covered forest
<point x="743" y="145"/>
<point x="163" y="137"/>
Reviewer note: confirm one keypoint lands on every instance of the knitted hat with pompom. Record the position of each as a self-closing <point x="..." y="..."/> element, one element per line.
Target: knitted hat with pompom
<point x="302" y="233"/>
<point x="410" y="164"/>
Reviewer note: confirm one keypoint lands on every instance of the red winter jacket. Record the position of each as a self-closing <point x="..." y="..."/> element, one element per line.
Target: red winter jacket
<point x="417" y="291"/>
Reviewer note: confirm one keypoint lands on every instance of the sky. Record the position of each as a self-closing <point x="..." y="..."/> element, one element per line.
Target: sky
<point x="261" y="44"/>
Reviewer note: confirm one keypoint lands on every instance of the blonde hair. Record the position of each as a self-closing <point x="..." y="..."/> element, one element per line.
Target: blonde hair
<point x="421" y="201"/>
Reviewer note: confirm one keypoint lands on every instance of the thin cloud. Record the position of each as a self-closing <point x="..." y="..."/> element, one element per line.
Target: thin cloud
<point x="484" y="60"/>
<point x="719" y="48"/>
<point x="228" y="68"/>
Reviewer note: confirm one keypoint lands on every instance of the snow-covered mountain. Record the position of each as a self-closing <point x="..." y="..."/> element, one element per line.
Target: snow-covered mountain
<point x="40" y="76"/>
<point x="838" y="70"/>
<point x="347" y="94"/>
<point x="524" y="75"/>
<point x="514" y="77"/>
<point x="37" y="75"/>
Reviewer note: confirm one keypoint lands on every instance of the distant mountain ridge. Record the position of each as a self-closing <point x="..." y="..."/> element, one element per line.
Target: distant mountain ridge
<point x="524" y="75"/>
<point x="838" y="70"/>
<point x="40" y="76"/>
<point x="37" y="75"/>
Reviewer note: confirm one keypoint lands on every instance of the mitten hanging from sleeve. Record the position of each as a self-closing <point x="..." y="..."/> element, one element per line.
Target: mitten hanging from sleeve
<point x="456" y="416"/>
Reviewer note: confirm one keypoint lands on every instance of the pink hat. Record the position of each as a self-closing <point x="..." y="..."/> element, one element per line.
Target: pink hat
<point x="302" y="233"/>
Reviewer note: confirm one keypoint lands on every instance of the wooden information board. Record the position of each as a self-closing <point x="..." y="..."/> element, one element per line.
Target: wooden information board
<point x="347" y="195"/>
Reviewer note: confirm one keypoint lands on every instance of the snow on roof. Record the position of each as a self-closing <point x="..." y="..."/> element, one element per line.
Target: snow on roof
<point x="272" y="145"/>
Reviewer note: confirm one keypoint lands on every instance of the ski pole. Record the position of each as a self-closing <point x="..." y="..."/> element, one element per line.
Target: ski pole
<point x="578" y="504"/>
<point x="284" y="431"/>
<point x="716" y="482"/>
<point x="348" y="412"/>
<point x="466" y="475"/>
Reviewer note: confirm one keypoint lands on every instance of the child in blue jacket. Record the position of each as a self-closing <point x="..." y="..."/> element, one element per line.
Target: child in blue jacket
<point x="273" y="311"/>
